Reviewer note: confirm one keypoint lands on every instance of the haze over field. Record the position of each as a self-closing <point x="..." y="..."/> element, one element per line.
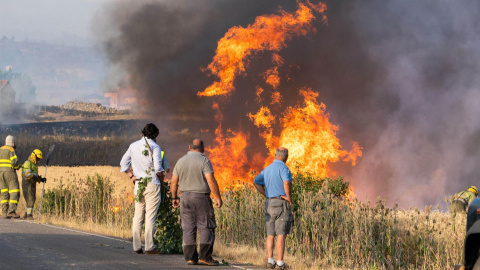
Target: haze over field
<point x="399" y="78"/>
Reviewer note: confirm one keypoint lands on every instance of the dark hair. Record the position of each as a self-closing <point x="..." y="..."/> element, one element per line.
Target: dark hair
<point x="150" y="131"/>
<point x="198" y="145"/>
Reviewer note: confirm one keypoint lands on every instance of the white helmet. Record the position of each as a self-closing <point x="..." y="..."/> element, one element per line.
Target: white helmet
<point x="10" y="141"/>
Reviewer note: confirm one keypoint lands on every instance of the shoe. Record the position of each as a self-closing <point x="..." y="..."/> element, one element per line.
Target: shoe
<point x="140" y="251"/>
<point x="13" y="215"/>
<point x="210" y="262"/>
<point x="153" y="252"/>
<point x="271" y="266"/>
<point x="192" y="262"/>
<point x="284" y="266"/>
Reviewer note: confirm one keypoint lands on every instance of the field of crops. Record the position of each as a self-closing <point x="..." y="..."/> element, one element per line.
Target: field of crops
<point x="329" y="230"/>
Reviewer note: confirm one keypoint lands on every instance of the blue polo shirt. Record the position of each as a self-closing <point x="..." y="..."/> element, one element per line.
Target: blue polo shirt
<point x="272" y="178"/>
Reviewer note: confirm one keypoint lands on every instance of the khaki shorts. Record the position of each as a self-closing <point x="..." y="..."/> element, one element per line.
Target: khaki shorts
<point x="279" y="217"/>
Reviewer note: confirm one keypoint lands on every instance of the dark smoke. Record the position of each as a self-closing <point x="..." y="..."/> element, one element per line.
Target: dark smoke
<point x="398" y="77"/>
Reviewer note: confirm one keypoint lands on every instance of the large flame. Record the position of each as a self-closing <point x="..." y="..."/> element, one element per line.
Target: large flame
<point x="266" y="33"/>
<point x="305" y="129"/>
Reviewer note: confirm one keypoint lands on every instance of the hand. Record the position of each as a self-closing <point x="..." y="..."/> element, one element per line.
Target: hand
<point x="289" y="200"/>
<point x="42" y="179"/>
<point x="176" y="203"/>
<point x="218" y="202"/>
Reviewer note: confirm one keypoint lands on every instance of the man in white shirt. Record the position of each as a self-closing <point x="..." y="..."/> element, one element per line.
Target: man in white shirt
<point x="143" y="162"/>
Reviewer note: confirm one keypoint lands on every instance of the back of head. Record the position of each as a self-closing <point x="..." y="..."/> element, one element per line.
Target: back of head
<point x="10" y="141"/>
<point x="473" y="189"/>
<point x="197" y="145"/>
<point x="150" y="131"/>
<point x="281" y="153"/>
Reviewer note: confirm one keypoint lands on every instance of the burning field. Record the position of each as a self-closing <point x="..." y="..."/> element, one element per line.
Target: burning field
<point x="305" y="128"/>
<point x="271" y="111"/>
<point x="381" y="93"/>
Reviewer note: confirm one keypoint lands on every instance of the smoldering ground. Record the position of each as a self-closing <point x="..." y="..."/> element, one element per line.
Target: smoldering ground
<point x="398" y="77"/>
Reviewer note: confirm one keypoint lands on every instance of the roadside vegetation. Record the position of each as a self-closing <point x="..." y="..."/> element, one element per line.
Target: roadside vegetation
<point x="330" y="230"/>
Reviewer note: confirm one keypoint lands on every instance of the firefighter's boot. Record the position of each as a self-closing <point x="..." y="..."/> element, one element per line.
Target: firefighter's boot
<point x="13" y="215"/>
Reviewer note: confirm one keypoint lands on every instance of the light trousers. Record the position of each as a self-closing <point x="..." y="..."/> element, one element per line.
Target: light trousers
<point x="146" y="210"/>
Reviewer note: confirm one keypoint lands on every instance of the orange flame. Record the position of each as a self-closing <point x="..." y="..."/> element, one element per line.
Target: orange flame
<point x="228" y="154"/>
<point x="267" y="33"/>
<point x="311" y="138"/>
<point x="304" y="129"/>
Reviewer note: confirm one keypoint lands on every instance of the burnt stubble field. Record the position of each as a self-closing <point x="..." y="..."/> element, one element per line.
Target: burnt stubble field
<point x="86" y="143"/>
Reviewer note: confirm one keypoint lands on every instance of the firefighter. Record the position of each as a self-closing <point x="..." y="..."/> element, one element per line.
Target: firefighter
<point x="462" y="199"/>
<point x="30" y="178"/>
<point x="9" y="186"/>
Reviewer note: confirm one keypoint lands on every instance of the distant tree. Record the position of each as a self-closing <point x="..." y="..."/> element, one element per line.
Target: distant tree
<point x="21" y="82"/>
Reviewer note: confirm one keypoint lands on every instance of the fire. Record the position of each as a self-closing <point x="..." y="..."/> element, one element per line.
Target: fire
<point x="229" y="148"/>
<point x="268" y="32"/>
<point x="305" y="129"/>
<point x="311" y="138"/>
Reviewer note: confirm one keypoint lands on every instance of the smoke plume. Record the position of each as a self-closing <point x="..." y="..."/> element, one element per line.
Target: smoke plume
<point x="397" y="77"/>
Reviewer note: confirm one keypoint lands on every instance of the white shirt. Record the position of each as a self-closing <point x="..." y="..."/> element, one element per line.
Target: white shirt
<point x="139" y="158"/>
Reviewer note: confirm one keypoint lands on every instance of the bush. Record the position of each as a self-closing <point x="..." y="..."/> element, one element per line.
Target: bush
<point x="168" y="233"/>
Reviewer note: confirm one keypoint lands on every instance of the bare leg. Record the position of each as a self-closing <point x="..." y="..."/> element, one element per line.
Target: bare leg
<point x="270" y="239"/>
<point x="280" y="246"/>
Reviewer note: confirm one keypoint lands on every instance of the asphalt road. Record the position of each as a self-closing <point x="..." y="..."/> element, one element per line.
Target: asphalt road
<point x="29" y="245"/>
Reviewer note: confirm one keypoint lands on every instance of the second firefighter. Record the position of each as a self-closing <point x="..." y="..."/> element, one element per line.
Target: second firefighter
<point x="30" y="178"/>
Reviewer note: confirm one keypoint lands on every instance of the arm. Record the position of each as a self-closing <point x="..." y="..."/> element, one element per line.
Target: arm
<point x="130" y="175"/>
<point x="213" y="185"/>
<point x="165" y="164"/>
<point x="287" y="184"/>
<point x="174" y="191"/>
<point x="157" y="163"/>
<point x="288" y="190"/>
<point x="260" y="189"/>
<point x="259" y="184"/>
<point x="14" y="160"/>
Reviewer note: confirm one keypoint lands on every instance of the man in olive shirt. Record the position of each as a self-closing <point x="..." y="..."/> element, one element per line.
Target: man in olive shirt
<point x="194" y="172"/>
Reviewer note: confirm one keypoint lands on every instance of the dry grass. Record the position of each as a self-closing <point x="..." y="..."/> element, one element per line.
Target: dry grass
<point x="72" y="175"/>
<point x="329" y="233"/>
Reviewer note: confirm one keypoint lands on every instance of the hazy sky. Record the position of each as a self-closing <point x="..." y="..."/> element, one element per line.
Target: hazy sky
<point x="55" y="21"/>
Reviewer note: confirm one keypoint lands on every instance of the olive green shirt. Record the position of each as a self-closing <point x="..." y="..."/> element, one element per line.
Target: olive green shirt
<point x="191" y="170"/>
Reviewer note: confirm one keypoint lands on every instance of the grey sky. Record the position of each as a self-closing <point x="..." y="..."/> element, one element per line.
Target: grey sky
<point x="55" y="21"/>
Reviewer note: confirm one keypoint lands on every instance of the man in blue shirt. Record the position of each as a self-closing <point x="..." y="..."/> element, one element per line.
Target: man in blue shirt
<point x="275" y="183"/>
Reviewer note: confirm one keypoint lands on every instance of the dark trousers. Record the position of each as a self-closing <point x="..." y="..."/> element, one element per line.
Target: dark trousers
<point x="196" y="212"/>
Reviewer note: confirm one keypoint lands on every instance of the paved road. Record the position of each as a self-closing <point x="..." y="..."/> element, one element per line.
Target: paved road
<point x="29" y="245"/>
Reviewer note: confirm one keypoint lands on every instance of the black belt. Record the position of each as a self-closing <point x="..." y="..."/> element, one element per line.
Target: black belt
<point x="277" y="198"/>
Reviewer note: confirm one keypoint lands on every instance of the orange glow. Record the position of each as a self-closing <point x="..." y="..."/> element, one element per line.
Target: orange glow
<point x="228" y="155"/>
<point x="269" y="32"/>
<point x="305" y="129"/>
<point x="277" y="59"/>
<point x="115" y="209"/>
<point x="276" y="98"/>
<point x="310" y="137"/>
<point x="259" y="94"/>
<point x="272" y="78"/>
